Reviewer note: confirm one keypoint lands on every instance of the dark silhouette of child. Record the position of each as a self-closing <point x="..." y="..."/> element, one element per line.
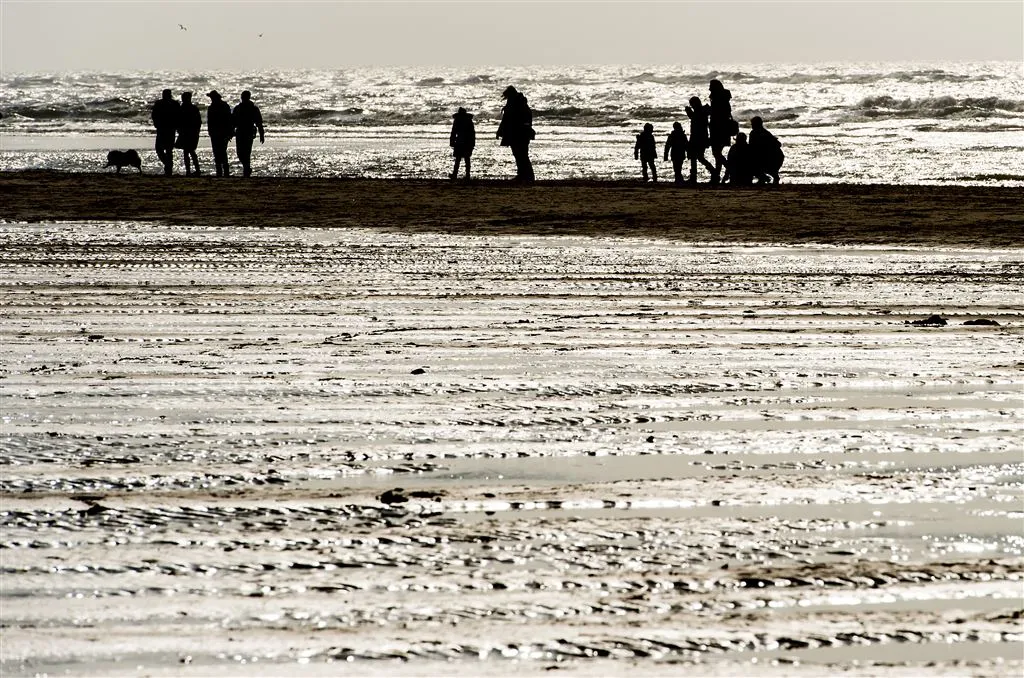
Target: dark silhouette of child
<point x="516" y="131"/>
<point x="675" y="145"/>
<point x="221" y="129"/>
<point x="646" y="151"/>
<point x="720" y="122"/>
<point x="699" y="139"/>
<point x="190" y="121"/>
<point x="165" y="119"/>
<point x="463" y="139"/>
<point x="739" y="170"/>
<point x="765" y="152"/>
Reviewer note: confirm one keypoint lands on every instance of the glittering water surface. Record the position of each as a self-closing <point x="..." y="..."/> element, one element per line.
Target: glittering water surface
<point x="861" y="123"/>
<point x="612" y="455"/>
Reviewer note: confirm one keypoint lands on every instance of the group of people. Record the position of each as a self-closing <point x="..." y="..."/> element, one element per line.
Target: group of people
<point x="712" y="126"/>
<point x="178" y="125"/>
<point x="759" y="158"/>
<point x="515" y="131"/>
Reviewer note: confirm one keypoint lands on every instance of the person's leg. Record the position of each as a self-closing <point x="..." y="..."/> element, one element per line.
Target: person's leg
<point x="455" y="170"/>
<point x="528" y="164"/>
<point x="224" y="156"/>
<point x="693" y="168"/>
<point x="188" y="162"/>
<point x="643" y="169"/>
<point x="244" y="149"/>
<point x="467" y="167"/>
<point x="519" y="155"/>
<point x="195" y="159"/>
<point x="654" y="170"/>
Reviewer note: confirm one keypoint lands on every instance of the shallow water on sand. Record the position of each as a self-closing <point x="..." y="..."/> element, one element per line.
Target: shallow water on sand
<point x="613" y="454"/>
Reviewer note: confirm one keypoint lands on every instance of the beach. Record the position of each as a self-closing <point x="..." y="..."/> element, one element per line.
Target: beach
<point x="311" y="426"/>
<point x="835" y="214"/>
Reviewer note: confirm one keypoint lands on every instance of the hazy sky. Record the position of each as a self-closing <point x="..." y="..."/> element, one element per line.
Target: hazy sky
<point x="47" y="35"/>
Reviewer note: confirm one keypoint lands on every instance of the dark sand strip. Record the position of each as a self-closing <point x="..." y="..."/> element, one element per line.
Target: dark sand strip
<point x="942" y="216"/>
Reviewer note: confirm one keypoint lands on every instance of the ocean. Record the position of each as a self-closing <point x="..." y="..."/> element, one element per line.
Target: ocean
<point x="901" y="123"/>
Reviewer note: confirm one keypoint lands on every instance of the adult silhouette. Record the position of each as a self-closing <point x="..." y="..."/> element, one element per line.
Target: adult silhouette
<point x="190" y="122"/>
<point x="675" y="145"/>
<point x="248" y="121"/>
<point x="516" y="131"/>
<point x="463" y="139"/>
<point x="765" y="152"/>
<point x="646" y="151"/>
<point x="699" y="140"/>
<point x="221" y="129"/>
<point x="165" y="120"/>
<point x="720" y="122"/>
<point x="739" y="168"/>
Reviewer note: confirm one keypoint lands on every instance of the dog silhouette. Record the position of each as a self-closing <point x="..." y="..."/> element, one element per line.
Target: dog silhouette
<point x="119" y="159"/>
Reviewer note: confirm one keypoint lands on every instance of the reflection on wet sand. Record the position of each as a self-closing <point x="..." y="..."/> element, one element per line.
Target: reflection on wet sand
<point x="439" y="454"/>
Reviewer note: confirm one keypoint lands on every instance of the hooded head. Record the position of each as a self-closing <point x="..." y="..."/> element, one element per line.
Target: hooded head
<point x="509" y="92"/>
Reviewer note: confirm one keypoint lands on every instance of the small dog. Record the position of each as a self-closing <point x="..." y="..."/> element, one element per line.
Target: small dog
<point x="119" y="159"/>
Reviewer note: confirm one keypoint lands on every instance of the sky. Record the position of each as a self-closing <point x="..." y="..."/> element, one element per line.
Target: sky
<point x="125" y="35"/>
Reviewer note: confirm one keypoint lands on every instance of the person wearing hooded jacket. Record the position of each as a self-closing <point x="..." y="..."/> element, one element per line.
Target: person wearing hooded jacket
<point x="720" y="123"/>
<point x="516" y="131"/>
<point x="221" y="129"/>
<point x="190" y="122"/>
<point x="676" y="145"/>
<point x="248" y="121"/>
<point x="165" y="120"/>
<point x="646" y="151"/>
<point x="463" y="139"/>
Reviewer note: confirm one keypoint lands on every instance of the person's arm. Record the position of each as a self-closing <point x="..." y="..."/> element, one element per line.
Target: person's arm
<point x="668" y="145"/>
<point x="259" y="123"/>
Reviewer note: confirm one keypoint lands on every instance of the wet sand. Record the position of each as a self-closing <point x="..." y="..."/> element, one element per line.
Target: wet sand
<point x="830" y="214"/>
<point x="532" y="438"/>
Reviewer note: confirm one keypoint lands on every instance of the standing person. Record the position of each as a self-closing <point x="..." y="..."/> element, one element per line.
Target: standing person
<point x="738" y="168"/>
<point x="221" y="129"/>
<point x="165" y="119"/>
<point x="765" y="152"/>
<point x="676" y="144"/>
<point x="646" y="151"/>
<point x="248" y="122"/>
<point x="516" y="131"/>
<point x="463" y="139"/>
<point x="720" y="124"/>
<point x="699" y="140"/>
<point x="190" y="121"/>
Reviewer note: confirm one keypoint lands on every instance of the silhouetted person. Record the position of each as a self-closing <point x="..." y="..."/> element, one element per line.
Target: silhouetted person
<point x="646" y="151"/>
<point x="765" y="152"/>
<point x="720" y="123"/>
<point x="516" y="131"/>
<point x="248" y="122"/>
<point x="190" y="121"/>
<point x="463" y="139"/>
<point x="699" y="140"/>
<point x="675" y="145"/>
<point x="165" y="119"/>
<point x="739" y="167"/>
<point x="220" y="128"/>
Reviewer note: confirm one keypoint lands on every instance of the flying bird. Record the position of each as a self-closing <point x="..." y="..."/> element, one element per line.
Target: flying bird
<point x="182" y="27"/>
<point x="260" y="35"/>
